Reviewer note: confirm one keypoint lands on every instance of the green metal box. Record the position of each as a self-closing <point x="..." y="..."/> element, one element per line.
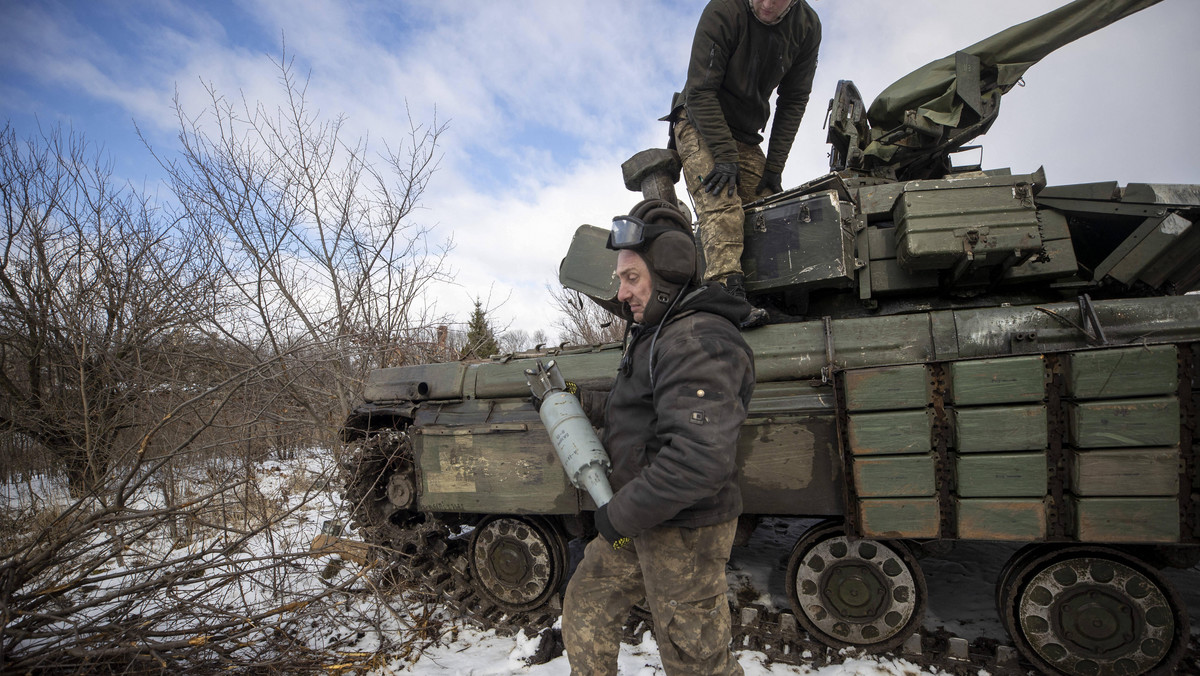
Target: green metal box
<point x="799" y="244"/>
<point x="1057" y="260"/>
<point x="890" y="432"/>
<point x="1116" y="423"/>
<point x="520" y="472"/>
<point x="989" y="429"/>
<point x="985" y="225"/>
<point x="899" y="518"/>
<point x="1001" y="475"/>
<point x="887" y="388"/>
<point x="894" y="476"/>
<point x="1122" y="372"/>
<point x="1022" y="520"/>
<point x="1125" y="472"/>
<point x="998" y="381"/>
<point x="887" y="277"/>
<point x="1126" y="519"/>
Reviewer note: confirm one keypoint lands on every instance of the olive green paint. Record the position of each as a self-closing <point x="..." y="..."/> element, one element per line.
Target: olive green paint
<point x="1021" y="520"/>
<point x="1123" y="372"/>
<point x="899" y="518"/>
<point x="890" y="432"/>
<point x="894" y="476"/>
<point x="1057" y="260"/>
<point x="1117" y="423"/>
<point x="1125" y="472"/>
<point x="998" y="381"/>
<point x="998" y="475"/>
<point x="1126" y="519"/>
<point x="887" y="388"/>
<point x="999" y="428"/>
<point x="937" y="229"/>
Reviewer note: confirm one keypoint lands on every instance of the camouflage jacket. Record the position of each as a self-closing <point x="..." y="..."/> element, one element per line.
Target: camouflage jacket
<point x="672" y="437"/>
<point x="736" y="63"/>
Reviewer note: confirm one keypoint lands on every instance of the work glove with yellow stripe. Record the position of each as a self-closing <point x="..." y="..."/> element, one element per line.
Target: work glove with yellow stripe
<point x="608" y="531"/>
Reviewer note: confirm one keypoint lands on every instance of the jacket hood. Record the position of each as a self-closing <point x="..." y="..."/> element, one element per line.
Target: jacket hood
<point x="713" y="298"/>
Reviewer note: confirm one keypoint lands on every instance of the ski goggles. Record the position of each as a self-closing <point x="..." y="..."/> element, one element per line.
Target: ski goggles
<point x="630" y="232"/>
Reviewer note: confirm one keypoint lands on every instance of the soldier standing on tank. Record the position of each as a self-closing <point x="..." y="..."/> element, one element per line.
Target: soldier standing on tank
<point x="742" y="52"/>
<point x="670" y="426"/>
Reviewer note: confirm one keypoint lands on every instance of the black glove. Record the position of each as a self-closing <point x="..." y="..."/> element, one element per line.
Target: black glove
<point x="723" y="174"/>
<point x="607" y="531"/>
<point x="772" y="182"/>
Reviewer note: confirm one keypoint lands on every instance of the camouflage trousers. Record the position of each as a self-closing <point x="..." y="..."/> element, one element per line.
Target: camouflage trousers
<point x="720" y="216"/>
<point x="680" y="574"/>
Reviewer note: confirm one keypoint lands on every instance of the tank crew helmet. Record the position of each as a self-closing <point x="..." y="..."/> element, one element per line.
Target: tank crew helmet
<point x="659" y="232"/>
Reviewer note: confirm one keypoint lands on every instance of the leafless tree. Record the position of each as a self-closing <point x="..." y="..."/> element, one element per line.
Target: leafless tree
<point x="316" y="242"/>
<point x="518" y="340"/>
<point x="94" y="287"/>
<point x="163" y="554"/>
<point x="583" y="322"/>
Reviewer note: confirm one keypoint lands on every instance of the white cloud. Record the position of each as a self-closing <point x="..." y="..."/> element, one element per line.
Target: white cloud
<point x="545" y="98"/>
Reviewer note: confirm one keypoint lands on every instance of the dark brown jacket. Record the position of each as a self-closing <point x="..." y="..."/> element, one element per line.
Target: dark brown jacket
<point x="673" y="440"/>
<point x="737" y="62"/>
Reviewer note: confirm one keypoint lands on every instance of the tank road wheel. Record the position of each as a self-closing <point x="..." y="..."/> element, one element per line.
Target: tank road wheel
<point x="854" y="592"/>
<point x="517" y="562"/>
<point x="1005" y="582"/>
<point x="1092" y="611"/>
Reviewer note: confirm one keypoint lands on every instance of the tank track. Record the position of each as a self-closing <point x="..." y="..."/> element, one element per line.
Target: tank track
<point x="439" y="570"/>
<point x="422" y="552"/>
<point x="429" y="558"/>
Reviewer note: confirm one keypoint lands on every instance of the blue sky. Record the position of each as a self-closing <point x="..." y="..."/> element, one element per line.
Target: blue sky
<point x="545" y="98"/>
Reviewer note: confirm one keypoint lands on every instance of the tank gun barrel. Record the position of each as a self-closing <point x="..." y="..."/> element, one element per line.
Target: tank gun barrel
<point x="912" y="127"/>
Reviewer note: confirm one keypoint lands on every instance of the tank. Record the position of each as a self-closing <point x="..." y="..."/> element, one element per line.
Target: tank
<point x="954" y="354"/>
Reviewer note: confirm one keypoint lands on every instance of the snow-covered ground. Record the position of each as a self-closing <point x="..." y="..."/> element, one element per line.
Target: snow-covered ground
<point x="961" y="600"/>
<point x="375" y="632"/>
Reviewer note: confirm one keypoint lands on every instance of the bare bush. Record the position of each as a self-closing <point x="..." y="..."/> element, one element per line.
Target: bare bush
<point x="134" y="584"/>
<point x="583" y="322"/>
<point x="195" y="558"/>
<point x="94" y="285"/>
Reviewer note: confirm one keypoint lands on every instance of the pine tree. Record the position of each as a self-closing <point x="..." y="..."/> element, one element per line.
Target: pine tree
<point x="481" y="340"/>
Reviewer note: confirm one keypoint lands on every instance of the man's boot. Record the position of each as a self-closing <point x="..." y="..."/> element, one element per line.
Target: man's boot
<point x="735" y="286"/>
